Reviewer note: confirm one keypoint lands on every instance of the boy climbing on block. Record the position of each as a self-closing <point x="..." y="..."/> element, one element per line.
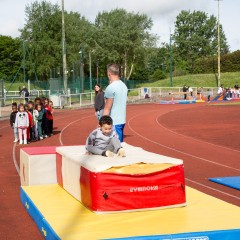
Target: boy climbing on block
<point x="104" y="141"/>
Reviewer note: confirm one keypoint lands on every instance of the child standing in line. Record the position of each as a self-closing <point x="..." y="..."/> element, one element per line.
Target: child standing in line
<point x="45" y="128"/>
<point x="22" y="123"/>
<point x="104" y="141"/>
<point x="39" y="120"/>
<point x="51" y="121"/>
<point x="12" y="122"/>
<point x="35" y="124"/>
<point x="30" y="109"/>
<point x="30" y="118"/>
<point x="49" y="117"/>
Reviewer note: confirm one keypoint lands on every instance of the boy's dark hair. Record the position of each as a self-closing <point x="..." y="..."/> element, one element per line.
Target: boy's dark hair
<point x="14" y="104"/>
<point x="105" y="120"/>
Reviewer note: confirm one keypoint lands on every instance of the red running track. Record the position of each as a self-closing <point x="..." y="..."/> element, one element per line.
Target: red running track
<point x="205" y="137"/>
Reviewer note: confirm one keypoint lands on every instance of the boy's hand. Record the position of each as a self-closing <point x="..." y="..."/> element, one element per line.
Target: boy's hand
<point x="121" y="153"/>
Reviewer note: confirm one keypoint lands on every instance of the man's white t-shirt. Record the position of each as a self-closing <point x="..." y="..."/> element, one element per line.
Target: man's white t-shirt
<point x="118" y="91"/>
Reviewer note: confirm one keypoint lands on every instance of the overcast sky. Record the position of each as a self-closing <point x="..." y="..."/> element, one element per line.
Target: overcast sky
<point x="163" y="13"/>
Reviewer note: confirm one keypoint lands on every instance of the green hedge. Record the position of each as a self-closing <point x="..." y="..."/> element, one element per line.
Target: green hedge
<point x="229" y="63"/>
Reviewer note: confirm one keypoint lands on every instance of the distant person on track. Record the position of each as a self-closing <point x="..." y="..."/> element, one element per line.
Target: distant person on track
<point x="25" y="93"/>
<point x="104" y="141"/>
<point x="236" y="88"/>
<point x="116" y="100"/>
<point x="12" y="122"/>
<point x="190" y="91"/>
<point x="99" y="101"/>
<point x="185" y="89"/>
<point x="209" y="93"/>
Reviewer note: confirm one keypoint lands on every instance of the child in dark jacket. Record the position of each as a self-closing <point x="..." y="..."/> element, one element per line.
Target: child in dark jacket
<point x="39" y="120"/>
<point x="12" y="122"/>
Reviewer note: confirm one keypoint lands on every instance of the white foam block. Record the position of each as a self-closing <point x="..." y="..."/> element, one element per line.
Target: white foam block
<point x="38" y="166"/>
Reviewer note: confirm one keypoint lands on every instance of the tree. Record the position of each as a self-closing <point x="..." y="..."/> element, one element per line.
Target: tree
<point x="196" y="36"/>
<point x="122" y="37"/>
<point x="42" y="37"/>
<point x="10" y="58"/>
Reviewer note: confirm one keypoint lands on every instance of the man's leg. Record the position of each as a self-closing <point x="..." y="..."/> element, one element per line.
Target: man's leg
<point x="119" y="130"/>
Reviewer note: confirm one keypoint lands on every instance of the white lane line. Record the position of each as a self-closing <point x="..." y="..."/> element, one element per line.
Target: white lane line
<point x="60" y="136"/>
<point x="216" y="190"/>
<point x="192" y="138"/>
<point x="175" y="150"/>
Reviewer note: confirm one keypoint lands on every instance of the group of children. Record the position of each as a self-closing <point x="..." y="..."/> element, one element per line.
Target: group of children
<point x="32" y="121"/>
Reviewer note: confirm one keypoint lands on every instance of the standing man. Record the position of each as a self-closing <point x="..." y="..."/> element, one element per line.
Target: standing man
<point x="25" y="93"/>
<point x="185" y="89"/>
<point x="116" y="100"/>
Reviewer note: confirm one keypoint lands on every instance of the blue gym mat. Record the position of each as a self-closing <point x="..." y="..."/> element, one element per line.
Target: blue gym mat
<point x="233" y="182"/>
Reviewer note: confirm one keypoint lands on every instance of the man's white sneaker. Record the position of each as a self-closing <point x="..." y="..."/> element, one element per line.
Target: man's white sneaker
<point x="16" y="140"/>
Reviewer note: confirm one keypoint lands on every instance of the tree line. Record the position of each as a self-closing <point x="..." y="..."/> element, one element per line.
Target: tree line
<point x="116" y="36"/>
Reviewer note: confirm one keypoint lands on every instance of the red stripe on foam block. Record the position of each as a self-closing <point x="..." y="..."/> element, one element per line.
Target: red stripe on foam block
<point x="40" y="150"/>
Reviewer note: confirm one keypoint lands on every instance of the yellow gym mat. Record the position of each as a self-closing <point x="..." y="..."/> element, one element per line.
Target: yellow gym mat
<point x="59" y="216"/>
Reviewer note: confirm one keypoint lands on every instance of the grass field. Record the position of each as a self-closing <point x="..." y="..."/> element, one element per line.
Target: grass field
<point x="198" y="80"/>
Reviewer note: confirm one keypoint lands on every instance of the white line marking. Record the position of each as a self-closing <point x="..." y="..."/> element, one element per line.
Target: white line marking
<point x="192" y="138"/>
<point x="60" y="137"/>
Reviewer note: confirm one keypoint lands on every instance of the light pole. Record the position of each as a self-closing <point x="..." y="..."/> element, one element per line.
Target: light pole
<point x="219" y="47"/>
<point x="24" y="63"/>
<point x="170" y="59"/>
<point x="97" y="69"/>
<point x="64" y="51"/>
<point x="90" y="70"/>
<point x="82" y="69"/>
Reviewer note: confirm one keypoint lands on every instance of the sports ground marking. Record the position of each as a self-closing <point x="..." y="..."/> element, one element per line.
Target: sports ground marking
<point x="195" y="139"/>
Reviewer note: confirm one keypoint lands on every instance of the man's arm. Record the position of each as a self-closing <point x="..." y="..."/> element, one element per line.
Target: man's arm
<point x="108" y="106"/>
